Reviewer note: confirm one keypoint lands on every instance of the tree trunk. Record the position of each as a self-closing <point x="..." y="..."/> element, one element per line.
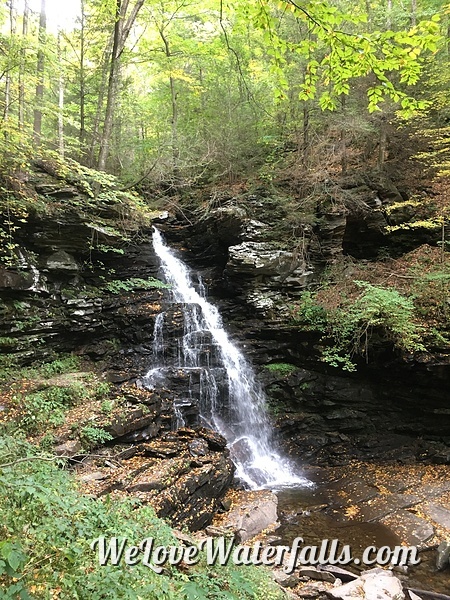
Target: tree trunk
<point x="8" y="82"/>
<point x="382" y="144"/>
<point x="174" y="104"/>
<point x="413" y="13"/>
<point x="122" y="29"/>
<point x="389" y="14"/>
<point x="37" y="125"/>
<point x="60" y="101"/>
<point x="100" y="101"/>
<point x="306" y="141"/>
<point x="344" y="155"/>
<point x="21" y="114"/>
<point x="82" y="133"/>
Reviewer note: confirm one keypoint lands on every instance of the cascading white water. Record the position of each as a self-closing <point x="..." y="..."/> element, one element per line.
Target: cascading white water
<point x="231" y="401"/>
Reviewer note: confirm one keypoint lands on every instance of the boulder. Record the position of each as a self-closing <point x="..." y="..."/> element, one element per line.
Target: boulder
<point x="376" y="584"/>
<point x="252" y="512"/>
<point x="62" y="261"/>
<point x="443" y="556"/>
<point x="69" y="448"/>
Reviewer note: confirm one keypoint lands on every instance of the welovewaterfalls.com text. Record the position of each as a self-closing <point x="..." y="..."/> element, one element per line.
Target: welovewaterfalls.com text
<point x="223" y="551"/>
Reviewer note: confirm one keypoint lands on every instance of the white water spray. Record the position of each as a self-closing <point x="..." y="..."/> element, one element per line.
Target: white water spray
<point x="231" y="401"/>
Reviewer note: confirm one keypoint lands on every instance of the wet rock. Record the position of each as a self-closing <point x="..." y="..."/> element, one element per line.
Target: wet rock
<point x="214" y="439"/>
<point x="132" y="421"/>
<point x="375" y="584"/>
<point x="443" y="556"/>
<point x="411" y="529"/>
<point x="380" y="506"/>
<point x="193" y="498"/>
<point x="438" y="513"/>
<point x="312" y="590"/>
<point x="347" y="491"/>
<point x="285" y="580"/>
<point x="253" y="512"/>
<point x="164" y="448"/>
<point x="316" y="574"/>
<point x="159" y="478"/>
<point x="338" y="572"/>
<point x="198" y="447"/>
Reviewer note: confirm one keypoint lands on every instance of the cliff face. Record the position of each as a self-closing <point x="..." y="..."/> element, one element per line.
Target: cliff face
<point x="258" y="258"/>
<point x="81" y="285"/>
<point x="73" y="259"/>
<point x="80" y="277"/>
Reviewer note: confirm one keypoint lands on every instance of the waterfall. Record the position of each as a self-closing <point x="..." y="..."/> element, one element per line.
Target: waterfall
<point x="218" y="378"/>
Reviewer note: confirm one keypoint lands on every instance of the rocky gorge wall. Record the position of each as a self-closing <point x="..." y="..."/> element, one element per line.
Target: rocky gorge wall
<point x="68" y="294"/>
<point x="396" y="406"/>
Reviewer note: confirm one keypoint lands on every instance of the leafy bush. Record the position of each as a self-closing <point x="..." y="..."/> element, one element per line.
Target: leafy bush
<point x="60" y="365"/>
<point x="48" y="406"/>
<point x="9" y="369"/>
<point x="94" y="436"/>
<point x="309" y="313"/>
<point x="350" y="327"/>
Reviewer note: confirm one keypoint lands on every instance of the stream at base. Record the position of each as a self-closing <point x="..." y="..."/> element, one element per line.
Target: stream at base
<point x="299" y="517"/>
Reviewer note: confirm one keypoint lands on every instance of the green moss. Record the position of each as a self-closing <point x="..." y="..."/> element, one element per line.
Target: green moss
<point x="283" y="369"/>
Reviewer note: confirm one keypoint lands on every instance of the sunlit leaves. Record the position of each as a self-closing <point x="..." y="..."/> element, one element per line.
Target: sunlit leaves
<point x="339" y="48"/>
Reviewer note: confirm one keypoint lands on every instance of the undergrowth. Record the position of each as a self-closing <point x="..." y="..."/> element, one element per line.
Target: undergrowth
<point x="46" y="532"/>
<point x="359" y="321"/>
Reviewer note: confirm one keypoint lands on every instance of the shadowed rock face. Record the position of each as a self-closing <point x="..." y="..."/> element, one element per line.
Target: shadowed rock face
<point x="57" y="301"/>
<point x="396" y="408"/>
<point x="183" y="475"/>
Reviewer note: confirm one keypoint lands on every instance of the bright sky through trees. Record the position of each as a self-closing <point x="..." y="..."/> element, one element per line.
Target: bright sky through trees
<point x="62" y="13"/>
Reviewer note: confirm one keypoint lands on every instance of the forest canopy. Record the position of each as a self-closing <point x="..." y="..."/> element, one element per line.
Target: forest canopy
<point x="181" y="90"/>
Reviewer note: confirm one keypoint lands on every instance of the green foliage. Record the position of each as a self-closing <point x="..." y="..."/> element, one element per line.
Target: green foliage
<point x="48" y="527"/>
<point x="309" y="314"/>
<point x="59" y="366"/>
<point x="102" y="389"/>
<point x="348" y="49"/>
<point x="107" y="406"/>
<point x="352" y="327"/>
<point x="9" y="369"/>
<point x="47" y="407"/>
<point x="282" y="369"/>
<point x="134" y="283"/>
<point x="94" y="436"/>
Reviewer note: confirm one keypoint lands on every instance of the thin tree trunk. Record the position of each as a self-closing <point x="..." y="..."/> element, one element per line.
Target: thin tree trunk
<point x="8" y="82"/>
<point x="382" y="144"/>
<point x="306" y="141"/>
<point x="344" y="156"/>
<point x="413" y="13"/>
<point x="113" y="86"/>
<point x="82" y="134"/>
<point x="21" y="114"/>
<point x="37" y="125"/>
<point x="100" y="101"/>
<point x="60" y="101"/>
<point x="174" y="105"/>
<point x="121" y="31"/>
<point x="389" y="14"/>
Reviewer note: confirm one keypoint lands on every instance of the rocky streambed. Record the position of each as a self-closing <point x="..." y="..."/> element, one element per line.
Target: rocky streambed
<point x="187" y="476"/>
